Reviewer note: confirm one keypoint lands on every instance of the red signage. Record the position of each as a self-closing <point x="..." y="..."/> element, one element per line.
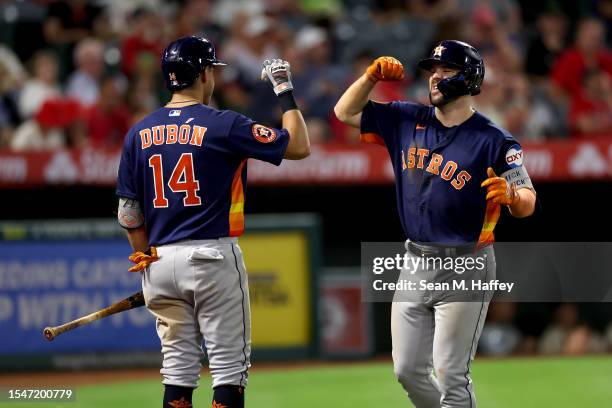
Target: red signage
<point x="346" y="321"/>
<point x="560" y="160"/>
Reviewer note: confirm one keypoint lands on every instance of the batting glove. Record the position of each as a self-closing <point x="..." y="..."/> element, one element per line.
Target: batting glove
<point x="385" y="69"/>
<point x="278" y="72"/>
<point x="498" y="189"/>
<point x="143" y="259"/>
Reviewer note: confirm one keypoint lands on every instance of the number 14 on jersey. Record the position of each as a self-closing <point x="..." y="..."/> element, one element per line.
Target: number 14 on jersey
<point x="182" y="180"/>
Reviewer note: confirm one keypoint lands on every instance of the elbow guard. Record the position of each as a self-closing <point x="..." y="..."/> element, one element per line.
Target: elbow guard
<point x="129" y="214"/>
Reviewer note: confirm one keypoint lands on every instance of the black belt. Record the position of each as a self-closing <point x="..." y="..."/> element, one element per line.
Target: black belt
<point x="424" y="250"/>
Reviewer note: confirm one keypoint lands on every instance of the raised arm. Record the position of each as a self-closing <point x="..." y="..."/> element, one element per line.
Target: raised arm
<point x="351" y="103"/>
<point x="278" y="72"/>
<point x="299" y="143"/>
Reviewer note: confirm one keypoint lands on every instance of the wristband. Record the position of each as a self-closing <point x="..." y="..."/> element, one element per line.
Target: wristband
<point x="287" y="101"/>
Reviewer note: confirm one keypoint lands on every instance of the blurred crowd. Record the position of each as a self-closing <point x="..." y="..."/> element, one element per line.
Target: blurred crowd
<point x="550" y="329"/>
<point x="81" y="72"/>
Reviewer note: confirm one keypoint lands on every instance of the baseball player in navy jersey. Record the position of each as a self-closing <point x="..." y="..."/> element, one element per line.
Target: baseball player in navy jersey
<point x="181" y="188"/>
<point x="454" y="169"/>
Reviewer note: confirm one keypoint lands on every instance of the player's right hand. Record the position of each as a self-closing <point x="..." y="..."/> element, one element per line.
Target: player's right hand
<point x="143" y="259"/>
<point x="385" y="69"/>
<point x="278" y="72"/>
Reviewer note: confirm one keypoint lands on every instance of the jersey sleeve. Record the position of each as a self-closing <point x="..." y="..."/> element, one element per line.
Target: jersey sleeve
<point x="253" y="140"/>
<point x="126" y="183"/>
<point x="377" y="122"/>
<point x="510" y="164"/>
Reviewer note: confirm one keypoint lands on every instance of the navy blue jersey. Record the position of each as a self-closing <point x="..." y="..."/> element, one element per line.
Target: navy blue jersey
<point x="187" y="168"/>
<point x="438" y="170"/>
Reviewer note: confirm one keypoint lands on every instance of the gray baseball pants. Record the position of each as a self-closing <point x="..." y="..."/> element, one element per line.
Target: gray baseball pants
<point x="198" y="290"/>
<point x="435" y="339"/>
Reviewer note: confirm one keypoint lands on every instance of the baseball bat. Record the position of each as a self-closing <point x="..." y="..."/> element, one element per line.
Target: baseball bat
<point x="132" y="302"/>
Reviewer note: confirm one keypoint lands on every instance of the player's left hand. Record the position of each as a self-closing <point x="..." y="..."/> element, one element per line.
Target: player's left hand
<point x="143" y="259"/>
<point x="278" y="72"/>
<point x="498" y="189"/>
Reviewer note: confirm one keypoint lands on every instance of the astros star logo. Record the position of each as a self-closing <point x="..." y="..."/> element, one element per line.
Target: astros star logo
<point x="180" y="403"/>
<point x="438" y="51"/>
<point x="263" y="134"/>
<point x="215" y="404"/>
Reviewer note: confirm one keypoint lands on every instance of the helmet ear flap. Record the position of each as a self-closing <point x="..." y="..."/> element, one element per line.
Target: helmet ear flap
<point x="180" y="74"/>
<point x="454" y="87"/>
<point x="474" y="79"/>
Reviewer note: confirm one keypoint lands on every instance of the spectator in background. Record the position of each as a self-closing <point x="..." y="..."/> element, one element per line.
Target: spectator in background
<point x="548" y="43"/>
<point x="83" y="83"/>
<point x="252" y="41"/>
<point x="145" y="39"/>
<point x="320" y="78"/>
<point x="567" y="335"/>
<point x="44" y="131"/>
<point x="506" y="13"/>
<point x="499" y="335"/>
<point x="591" y="107"/>
<point x="67" y="23"/>
<point x="109" y="119"/>
<point x="195" y="18"/>
<point x="74" y="125"/>
<point x="388" y="29"/>
<point x="435" y="10"/>
<point x="492" y="100"/>
<point x="9" y="117"/>
<point x="603" y="8"/>
<point x="226" y="13"/>
<point x="325" y="79"/>
<point x="141" y="98"/>
<point x="12" y="66"/>
<point x="43" y="84"/>
<point x="493" y="39"/>
<point x="589" y="52"/>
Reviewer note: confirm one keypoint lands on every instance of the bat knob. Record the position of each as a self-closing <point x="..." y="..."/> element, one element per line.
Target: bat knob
<point x="48" y="333"/>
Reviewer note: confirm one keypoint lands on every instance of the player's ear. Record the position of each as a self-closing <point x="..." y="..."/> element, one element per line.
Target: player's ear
<point x="206" y="73"/>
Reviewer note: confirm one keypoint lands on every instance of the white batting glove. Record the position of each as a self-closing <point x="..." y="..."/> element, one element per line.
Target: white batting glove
<point x="278" y="72"/>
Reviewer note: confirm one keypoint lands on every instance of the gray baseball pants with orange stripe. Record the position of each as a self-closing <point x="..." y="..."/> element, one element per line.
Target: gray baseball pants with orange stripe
<point x="198" y="290"/>
<point x="434" y="341"/>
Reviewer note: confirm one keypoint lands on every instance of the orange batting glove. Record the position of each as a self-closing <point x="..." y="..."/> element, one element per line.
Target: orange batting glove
<point x="385" y="69"/>
<point x="498" y="189"/>
<point x="143" y="259"/>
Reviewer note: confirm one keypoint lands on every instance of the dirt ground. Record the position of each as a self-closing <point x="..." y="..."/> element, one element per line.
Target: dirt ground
<point x="75" y="378"/>
<point x="96" y="377"/>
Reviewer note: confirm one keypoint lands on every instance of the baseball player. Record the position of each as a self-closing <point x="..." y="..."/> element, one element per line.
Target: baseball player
<point x="454" y="168"/>
<point x="181" y="188"/>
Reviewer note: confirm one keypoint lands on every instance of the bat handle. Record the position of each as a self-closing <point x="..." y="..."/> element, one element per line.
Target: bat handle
<point x="49" y="333"/>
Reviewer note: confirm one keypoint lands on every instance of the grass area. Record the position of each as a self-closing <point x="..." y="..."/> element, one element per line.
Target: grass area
<point x="547" y="382"/>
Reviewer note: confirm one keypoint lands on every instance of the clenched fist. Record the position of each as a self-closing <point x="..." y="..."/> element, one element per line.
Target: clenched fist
<point x="385" y="69"/>
<point x="498" y="189"/>
<point x="278" y="72"/>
